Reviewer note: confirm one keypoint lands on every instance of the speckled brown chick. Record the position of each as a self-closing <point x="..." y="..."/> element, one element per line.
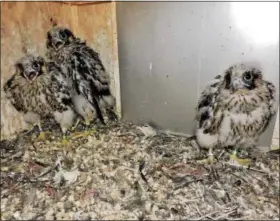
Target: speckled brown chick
<point x="38" y="89"/>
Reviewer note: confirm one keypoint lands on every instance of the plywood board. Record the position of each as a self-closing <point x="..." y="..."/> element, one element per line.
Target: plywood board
<point x="85" y="2"/>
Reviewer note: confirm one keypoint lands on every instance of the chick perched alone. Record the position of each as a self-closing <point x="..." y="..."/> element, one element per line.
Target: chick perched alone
<point x="85" y="72"/>
<point x="235" y="109"/>
<point x="38" y="89"/>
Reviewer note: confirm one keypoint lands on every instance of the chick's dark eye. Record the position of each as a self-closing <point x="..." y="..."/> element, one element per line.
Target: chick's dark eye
<point x="35" y="65"/>
<point x="248" y="76"/>
<point x="62" y="34"/>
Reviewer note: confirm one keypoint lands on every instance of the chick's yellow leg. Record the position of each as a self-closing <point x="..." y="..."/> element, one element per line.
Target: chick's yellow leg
<point x="233" y="158"/>
<point x="88" y="130"/>
<point x="88" y="116"/>
<point x="76" y="134"/>
<point x="76" y="124"/>
<point x="64" y="140"/>
<point x="42" y="135"/>
<point x="210" y="159"/>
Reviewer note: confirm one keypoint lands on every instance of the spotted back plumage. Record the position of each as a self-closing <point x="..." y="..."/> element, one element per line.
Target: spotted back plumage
<point x="46" y="93"/>
<point x="83" y="65"/>
<point x="236" y="108"/>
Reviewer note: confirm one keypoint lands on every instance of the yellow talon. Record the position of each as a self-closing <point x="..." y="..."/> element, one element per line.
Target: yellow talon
<point x="209" y="160"/>
<point x="42" y="136"/>
<point x="92" y="130"/>
<point x="84" y="133"/>
<point x="64" y="142"/>
<point x="76" y="124"/>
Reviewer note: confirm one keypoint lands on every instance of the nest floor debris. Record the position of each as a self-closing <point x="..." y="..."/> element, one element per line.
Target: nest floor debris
<point x="124" y="172"/>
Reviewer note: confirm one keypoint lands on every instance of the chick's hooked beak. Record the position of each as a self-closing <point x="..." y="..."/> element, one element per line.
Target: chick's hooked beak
<point x="57" y="44"/>
<point x="32" y="75"/>
<point x="237" y="83"/>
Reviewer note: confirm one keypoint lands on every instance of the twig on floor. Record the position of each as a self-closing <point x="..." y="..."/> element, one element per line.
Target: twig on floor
<point x="221" y="154"/>
<point x="226" y="214"/>
<point x="187" y="183"/>
<point x="256" y="170"/>
<point x="177" y="134"/>
<point x="239" y="167"/>
<point x="207" y="215"/>
<point x="214" y="212"/>
<point x="13" y="157"/>
<point x="46" y="171"/>
<point x="141" y="167"/>
<point x="240" y="177"/>
<point x="196" y="207"/>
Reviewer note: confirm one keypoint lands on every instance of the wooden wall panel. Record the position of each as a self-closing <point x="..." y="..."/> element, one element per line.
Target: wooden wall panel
<point x="23" y="29"/>
<point x="86" y="2"/>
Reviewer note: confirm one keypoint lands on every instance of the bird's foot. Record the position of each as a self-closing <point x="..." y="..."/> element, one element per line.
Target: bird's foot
<point x="85" y="133"/>
<point x="65" y="144"/>
<point x="65" y="141"/>
<point x="42" y="136"/>
<point x="75" y="126"/>
<point x="209" y="160"/>
<point x="91" y="131"/>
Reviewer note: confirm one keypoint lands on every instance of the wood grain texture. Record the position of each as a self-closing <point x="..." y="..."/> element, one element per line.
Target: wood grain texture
<point x="85" y="2"/>
<point x="23" y="29"/>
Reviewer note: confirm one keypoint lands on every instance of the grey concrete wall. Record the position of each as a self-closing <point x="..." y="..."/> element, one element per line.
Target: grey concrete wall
<point x="168" y="51"/>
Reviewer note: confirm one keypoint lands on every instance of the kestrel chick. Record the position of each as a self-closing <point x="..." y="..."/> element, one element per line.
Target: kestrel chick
<point x="38" y="89"/>
<point x="85" y="71"/>
<point x="235" y="109"/>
